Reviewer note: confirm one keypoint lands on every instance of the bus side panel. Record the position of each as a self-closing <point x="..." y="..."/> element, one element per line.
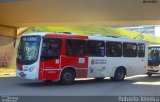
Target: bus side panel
<point x="97" y="67"/>
<point x="79" y="63"/>
<point x="40" y="77"/>
<point x="50" y="73"/>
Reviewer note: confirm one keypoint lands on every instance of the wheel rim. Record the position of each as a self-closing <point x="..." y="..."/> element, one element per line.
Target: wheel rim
<point x="67" y="76"/>
<point x="120" y="74"/>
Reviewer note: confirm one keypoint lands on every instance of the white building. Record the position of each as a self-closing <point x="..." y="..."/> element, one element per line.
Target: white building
<point x="145" y="29"/>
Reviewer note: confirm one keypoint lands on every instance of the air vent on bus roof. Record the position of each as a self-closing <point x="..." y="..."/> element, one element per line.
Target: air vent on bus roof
<point x="97" y="34"/>
<point x="66" y="32"/>
<point x="124" y="37"/>
<point x="113" y="36"/>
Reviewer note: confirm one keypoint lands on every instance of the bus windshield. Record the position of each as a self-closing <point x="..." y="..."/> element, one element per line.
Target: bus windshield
<point x="28" y="49"/>
<point x="154" y="53"/>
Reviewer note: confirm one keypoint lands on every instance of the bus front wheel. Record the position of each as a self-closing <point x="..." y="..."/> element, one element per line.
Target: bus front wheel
<point x="67" y="77"/>
<point x="119" y="75"/>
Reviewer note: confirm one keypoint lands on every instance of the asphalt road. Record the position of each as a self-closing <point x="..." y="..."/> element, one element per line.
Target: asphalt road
<point x="132" y="86"/>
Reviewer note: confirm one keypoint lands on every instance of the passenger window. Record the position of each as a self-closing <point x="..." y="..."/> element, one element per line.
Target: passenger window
<point x="96" y="48"/>
<point x="113" y="49"/>
<point x="141" y="50"/>
<point x="130" y="50"/>
<point x="51" y="48"/>
<point x="75" y="47"/>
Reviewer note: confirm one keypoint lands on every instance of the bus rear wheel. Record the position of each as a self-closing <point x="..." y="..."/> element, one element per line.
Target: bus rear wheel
<point x="67" y="77"/>
<point x="119" y="75"/>
<point x="149" y="74"/>
<point x="99" y="78"/>
<point x="47" y="81"/>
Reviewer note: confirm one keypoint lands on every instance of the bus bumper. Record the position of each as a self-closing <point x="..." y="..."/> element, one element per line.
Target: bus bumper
<point x="27" y="75"/>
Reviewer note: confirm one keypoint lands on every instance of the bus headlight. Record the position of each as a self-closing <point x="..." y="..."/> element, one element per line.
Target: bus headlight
<point x="31" y="69"/>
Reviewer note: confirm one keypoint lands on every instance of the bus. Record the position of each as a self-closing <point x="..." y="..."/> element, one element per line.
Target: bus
<point x="153" y="60"/>
<point x="64" y="57"/>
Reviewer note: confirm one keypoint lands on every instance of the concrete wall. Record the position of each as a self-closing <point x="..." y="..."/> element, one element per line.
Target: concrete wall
<point x="7" y="51"/>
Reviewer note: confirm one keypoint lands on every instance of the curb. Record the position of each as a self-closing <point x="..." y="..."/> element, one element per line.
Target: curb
<point x="7" y="74"/>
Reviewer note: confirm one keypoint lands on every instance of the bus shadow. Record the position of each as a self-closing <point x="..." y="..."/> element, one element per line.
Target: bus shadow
<point x="92" y="81"/>
<point x="76" y="83"/>
<point x="39" y="84"/>
<point x="154" y="78"/>
<point x="129" y="81"/>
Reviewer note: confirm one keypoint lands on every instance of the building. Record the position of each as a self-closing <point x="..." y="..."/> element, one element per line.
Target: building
<point x="146" y="29"/>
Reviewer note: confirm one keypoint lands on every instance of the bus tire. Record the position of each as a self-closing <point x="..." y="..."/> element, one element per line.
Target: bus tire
<point x="99" y="78"/>
<point x="149" y="74"/>
<point x="47" y="81"/>
<point x="119" y="75"/>
<point x="67" y="77"/>
<point x="112" y="78"/>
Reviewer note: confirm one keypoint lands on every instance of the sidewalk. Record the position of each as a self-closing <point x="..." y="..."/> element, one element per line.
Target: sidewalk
<point x="7" y="72"/>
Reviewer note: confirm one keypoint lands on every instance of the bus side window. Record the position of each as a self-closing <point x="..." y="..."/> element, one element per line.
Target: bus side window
<point x="51" y="48"/>
<point x="141" y="50"/>
<point x="75" y="47"/>
<point x="113" y="49"/>
<point x="96" y="48"/>
<point x="130" y="50"/>
<point x="68" y="48"/>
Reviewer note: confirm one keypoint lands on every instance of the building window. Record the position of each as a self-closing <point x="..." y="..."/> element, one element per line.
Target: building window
<point x="96" y="48"/>
<point x="113" y="49"/>
<point x="75" y="47"/>
<point x="130" y="50"/>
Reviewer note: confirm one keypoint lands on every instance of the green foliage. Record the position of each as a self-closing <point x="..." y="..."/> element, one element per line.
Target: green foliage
<point x="103" y="30"/>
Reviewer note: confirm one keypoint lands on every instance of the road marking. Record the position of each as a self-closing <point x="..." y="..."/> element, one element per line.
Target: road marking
<point x="147" y="83"/>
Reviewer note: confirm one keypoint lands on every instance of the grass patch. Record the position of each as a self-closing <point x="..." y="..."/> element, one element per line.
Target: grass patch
<point x="7" y="70"/>
<point x="103" y="30"/>
<point x="11" y="69"/>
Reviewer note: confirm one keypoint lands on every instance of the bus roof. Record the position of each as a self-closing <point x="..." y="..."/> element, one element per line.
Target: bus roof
<point x="62" y="35"/>
<point x="115" y="39"/>
<point x="57" y="35"/>
<point x="74" y="36"/>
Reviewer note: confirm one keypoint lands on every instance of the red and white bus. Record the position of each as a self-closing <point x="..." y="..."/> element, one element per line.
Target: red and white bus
<point x="64" y="57"/>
